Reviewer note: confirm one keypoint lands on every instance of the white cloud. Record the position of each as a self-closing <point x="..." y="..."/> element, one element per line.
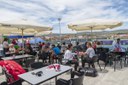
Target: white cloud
<point x="47" y="11"/>
<point x="8" y="15"/>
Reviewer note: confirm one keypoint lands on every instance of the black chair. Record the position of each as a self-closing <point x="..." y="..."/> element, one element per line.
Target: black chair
<point x="118" y="56"/>
<point x="103" y="55"/>
<point x="37" y="65"/>
<point x="10" y="77"/>
<point x="18" y="82"/>
<point x="29" y="61"/>
<point x="92" y="61"/>
<point x="72" y="81"/>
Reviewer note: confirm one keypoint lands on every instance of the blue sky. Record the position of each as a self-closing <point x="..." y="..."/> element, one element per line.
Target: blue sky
<point x="47" y="12"/>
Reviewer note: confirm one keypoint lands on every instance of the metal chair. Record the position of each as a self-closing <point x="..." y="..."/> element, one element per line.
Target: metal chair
<point x="72" y="81"/>
<point x="102" y="56"/>
<point x="29" y="61"/>
<point x="37" y="65"/>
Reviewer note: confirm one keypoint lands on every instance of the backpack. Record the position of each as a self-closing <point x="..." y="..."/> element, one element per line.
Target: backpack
<point x="11" y="70"/>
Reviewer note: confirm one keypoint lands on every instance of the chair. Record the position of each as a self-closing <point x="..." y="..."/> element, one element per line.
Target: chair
<point x="29" y="61"/>
<point x="102" y="56"/>
<point x="72" y="81"/>
<point x="19" y="82"/>
<point x="92" y="61"/>
<point x="9" y="78"/>
<point x="118" y="56"/>
<point x="37" y="65"/>
<point x="78" y="81"/>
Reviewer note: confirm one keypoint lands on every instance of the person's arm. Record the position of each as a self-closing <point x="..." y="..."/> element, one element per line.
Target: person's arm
<point x="85" y="53"/>
<point x="73" y="54"/>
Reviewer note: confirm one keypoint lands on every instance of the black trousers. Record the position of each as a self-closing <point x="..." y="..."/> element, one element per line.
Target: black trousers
<point x="5" y="50"/>
<point x="73" y="62"/>
<point x="87" y="60"/>
<point x="76" y="73"/>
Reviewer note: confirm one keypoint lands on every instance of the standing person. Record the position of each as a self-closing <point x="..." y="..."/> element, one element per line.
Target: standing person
<point x="56" y="53"/>
<point x="63" y="47"/>
<point x="70" y="57"/>
<point x="5" y="46"/>
<point x="88" y="55"/>
<point x="40" y="46"/>
<point x="59" y="46"/>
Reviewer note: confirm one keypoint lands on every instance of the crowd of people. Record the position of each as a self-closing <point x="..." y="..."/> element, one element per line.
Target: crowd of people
<point x="52" y="53"/>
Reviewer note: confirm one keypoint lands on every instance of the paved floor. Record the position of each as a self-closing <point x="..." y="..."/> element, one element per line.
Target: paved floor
<point x="106" y="77"/>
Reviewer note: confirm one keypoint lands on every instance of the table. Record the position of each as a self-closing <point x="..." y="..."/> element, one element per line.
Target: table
<point x="16" y="57"/>
<point x="117" y="56"/>
<point x="47" y="75"/>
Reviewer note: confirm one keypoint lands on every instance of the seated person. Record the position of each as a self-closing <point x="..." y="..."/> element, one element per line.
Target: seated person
<point x="11" y="48"/>
<point x="89" y="54"/>
<point x="117" y="46"/>
<point x="70" y="57"/>
<point x="44" y="53"/>
<point x="29" y="50"/>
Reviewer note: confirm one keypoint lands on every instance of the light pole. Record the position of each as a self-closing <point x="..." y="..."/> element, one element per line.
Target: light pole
<point x="59" y="19"/>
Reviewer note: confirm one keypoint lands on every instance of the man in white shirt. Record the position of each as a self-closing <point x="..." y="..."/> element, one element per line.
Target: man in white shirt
<point x="70" y="57"/>
<point x="89" y="54"/>
<point x="117" y="46"/>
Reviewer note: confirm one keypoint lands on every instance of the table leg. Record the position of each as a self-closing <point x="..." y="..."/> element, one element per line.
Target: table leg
<point x="115" y="65"/>
<point x="71" y="72"/>
<point x="55" y="80"/>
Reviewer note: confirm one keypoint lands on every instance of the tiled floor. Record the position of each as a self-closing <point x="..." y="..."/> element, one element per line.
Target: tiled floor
<point x="106" y="77"/>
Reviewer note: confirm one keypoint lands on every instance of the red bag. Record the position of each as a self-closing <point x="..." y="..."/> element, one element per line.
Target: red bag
<point x="12" y="68"/>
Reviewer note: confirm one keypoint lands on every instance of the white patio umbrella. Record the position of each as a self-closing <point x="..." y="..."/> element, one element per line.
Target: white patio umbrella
<point x="94" y="24"/>
<point x="43" y="33"/>
<point x="24" y="25"/>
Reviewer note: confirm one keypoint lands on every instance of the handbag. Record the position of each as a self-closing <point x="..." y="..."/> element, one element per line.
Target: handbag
<point x="92" y="72"/>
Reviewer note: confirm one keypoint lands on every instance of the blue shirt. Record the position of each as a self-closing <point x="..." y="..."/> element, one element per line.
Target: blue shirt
<point x="56" y="50"/>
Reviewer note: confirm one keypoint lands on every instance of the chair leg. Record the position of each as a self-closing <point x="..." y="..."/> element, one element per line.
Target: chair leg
<point x="106" y="62"/>
<point x="99" y="65"/>
<point x="121" y="63"/>
<point x="93" y="65"/>
<point x="115" y="65"/>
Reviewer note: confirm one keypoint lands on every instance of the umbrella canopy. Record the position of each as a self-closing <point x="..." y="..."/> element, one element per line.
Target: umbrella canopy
<point x="94" y="24"/>
<point x="23" y="25"/>
<point x="36" y="40"/>
<point x="26" y="25"/>
<point x="43" y="33"/>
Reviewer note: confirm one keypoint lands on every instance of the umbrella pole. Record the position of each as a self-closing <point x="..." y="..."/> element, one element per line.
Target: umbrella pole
<point x="22" y="38"/>
<point x="91" y="32"/>
<point x="35" y="38"/>
<point x="77" y="36"/>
